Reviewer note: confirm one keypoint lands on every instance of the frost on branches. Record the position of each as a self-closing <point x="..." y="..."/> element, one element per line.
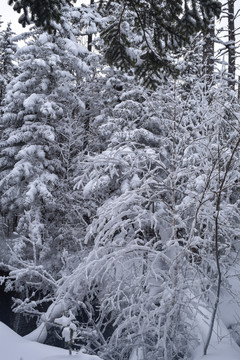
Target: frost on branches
<point x="151" y="266"/>
<point x="122" y="203"/>
<point x="41" y="135"/>
<point x="8" y="68"/>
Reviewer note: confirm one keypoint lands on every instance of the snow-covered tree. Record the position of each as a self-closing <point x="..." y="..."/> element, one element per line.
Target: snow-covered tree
<point x="163" y="184"/>
<point x="42" y="129"/>
<point x="122" y="202"/>
<point x="7" y="52"/>
<point x="144" y="35"/>
<point x="151" y="28"/>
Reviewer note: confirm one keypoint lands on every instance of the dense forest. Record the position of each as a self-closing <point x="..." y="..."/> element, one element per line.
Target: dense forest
<point x="119" y="175"/>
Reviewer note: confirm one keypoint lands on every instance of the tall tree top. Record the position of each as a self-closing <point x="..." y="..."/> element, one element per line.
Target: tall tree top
<point x="140" y="35"/>
<point x="144" y="34"/>
<point x="42" y="13"/>
<point x="174" y="15"/>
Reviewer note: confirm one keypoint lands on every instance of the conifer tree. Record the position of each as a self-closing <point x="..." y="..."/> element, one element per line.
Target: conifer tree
<point x="7" y="52"/>
<point x="145" y="35"/>
<point x="137" y="35"/>
<point x="41" y="109"/>
<point x="149" y="177"/>
<point x="42" y="14"/>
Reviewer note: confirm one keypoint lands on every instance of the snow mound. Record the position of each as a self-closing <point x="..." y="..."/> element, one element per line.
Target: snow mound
<point x="224" y="350"/>
<point x="222" y="346"/>
<point x="15" y="347"/>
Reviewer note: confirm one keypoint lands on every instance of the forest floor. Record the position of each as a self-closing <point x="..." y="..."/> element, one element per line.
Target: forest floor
<point x="15" y="347"/>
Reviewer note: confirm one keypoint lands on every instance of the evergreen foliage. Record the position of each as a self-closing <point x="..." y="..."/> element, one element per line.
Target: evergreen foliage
<point x="121" y="202"/>
<point x="139" y="35"/>
<point x="41" y="13"/>
<point x="40" y="133"/>
<point x="142" y="35"/>
<point x="7" y="53"/>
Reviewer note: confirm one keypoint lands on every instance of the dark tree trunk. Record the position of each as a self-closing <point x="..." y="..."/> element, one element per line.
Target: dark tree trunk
<point x="90" y="37"/>
<point x="208" y="51"/>
<point x="231" y="44"/>
<point x="238" y="87"/>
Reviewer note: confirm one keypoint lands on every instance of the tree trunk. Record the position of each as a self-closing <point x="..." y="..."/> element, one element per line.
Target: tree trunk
<point x="238" y="87"/>
<point x="90" y="37"/>
<point x="231" y="44"/>
<point x="208" y="51"/>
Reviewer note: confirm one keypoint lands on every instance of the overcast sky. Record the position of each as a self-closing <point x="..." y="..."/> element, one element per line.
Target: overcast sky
<point x="9" y="15"/>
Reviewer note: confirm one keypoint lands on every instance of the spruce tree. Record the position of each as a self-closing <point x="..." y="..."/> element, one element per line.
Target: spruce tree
<point x="138" y="34"/>
<point x="8" y="68"/>
<point x="42" y="14"/>
<point x="146" y="35"/>
<point x="41" y="109"/>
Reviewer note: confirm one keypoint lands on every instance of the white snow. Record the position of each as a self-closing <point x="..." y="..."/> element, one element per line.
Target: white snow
<point x="222" y="346"/>
<point x="69" y="332"/>
<point x="43" y="38"/>
<point x="15" y="347"/>
<point x="40" y="333"/>
<point x="31" y="101"/>
<point x="71" y="46"/>
<point x="219" y="351"/>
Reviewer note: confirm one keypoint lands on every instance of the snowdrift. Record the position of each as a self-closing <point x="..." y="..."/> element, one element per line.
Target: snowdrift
<point x="15" y="347"/>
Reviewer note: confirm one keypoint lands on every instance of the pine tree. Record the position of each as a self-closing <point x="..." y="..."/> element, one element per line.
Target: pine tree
<point x="137" y="35"/>
<point x="145" y="36"/>
<point x="42" y="14"/>
<point x="7" y="52"/>
<point x="41" y="109"/>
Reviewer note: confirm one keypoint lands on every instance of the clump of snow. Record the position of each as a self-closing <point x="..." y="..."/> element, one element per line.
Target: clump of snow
<point x="125" y="186"/>
<point x="31" y="101"/>
<point x="137" y="354"/>
<point x="14" y="347"/>
<point x="43" y="38"/>
<point x="64" y="320"/>
<point x="135" y="181"/>
<point x="69" y="332"/>
<point x="69" y="328"/>
<point x="71" y="47"/>
<point x="96" y="185"/>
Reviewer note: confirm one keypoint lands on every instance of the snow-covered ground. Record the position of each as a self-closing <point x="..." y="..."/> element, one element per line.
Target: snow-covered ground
<point x="221" y="347"/>
<point x="15" y="347"/>
<point x="220" y="351"/>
